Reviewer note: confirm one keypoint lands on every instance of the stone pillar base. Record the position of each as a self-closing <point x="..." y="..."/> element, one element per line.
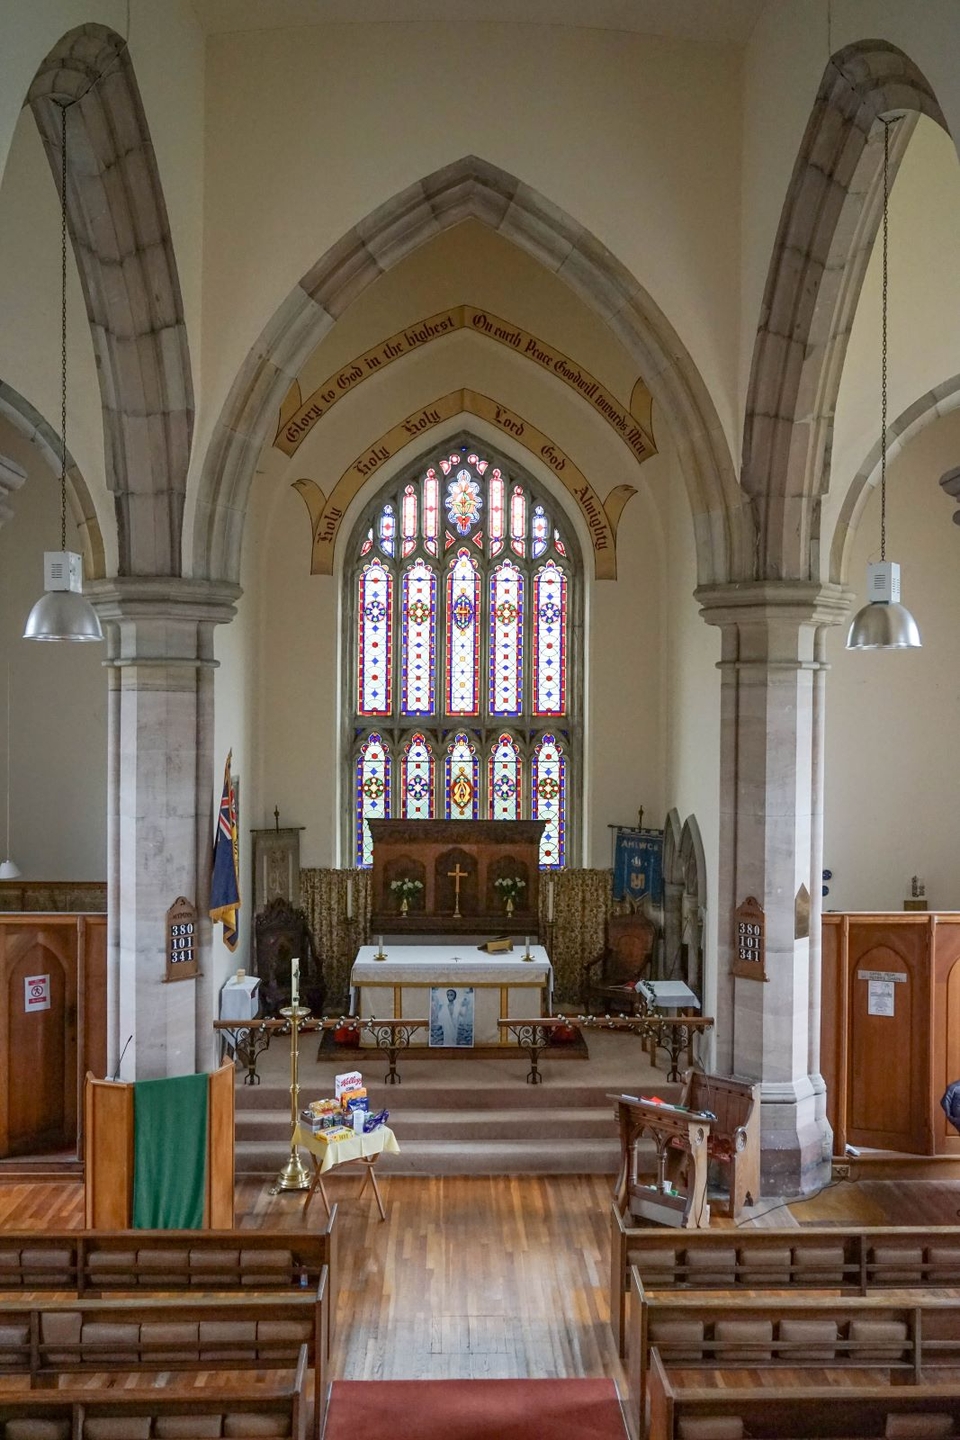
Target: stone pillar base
<point x="796" y="1142"/>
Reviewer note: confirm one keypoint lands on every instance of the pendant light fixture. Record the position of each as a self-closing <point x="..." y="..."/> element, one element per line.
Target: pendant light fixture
<point x="8" y="870"/>
<point x="883" y="623"/>
<point x="62" y="613"/>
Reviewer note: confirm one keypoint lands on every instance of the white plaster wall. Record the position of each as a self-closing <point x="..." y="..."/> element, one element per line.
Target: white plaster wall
<point x="309" y="130"/>
<point x="691" y="650"/>
<point x="892" y="717"/>
<point x="783" y="65"/>
<point x="30" y="311"/>
<point x="58" y="726"/>
<point x="923" y="310"/>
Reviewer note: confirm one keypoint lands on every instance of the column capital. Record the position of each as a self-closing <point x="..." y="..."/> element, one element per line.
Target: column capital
<point x="157" y="620"/>
<point x="761" y="602"/>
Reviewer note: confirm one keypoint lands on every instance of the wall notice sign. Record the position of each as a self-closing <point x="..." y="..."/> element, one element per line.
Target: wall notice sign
<point x="350" y="1080"/>
<point x="749" y="940"/>
<point x="182" y="962"/>
<point x="36" y="992"/>
<point x="892" y="977"/>
<point x="881" y="997"/>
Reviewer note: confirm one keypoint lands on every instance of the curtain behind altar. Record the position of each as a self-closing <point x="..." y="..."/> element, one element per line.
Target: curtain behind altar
<point x="324" y="896"/>
<point x="577" y="933"/>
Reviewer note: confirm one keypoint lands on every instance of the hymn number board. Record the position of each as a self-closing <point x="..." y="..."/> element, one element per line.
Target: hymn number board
<point x="182" y="940"/>
<point x="749" y="940"/>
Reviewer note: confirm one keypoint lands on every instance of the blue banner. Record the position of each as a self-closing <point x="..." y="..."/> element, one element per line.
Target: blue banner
<point x="638" y="865"/>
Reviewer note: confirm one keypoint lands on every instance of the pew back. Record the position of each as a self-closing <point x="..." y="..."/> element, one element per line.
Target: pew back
<point x="858" y="1261"/>
<point x="798" y="1412"/>
<point x="269" y="1407"/>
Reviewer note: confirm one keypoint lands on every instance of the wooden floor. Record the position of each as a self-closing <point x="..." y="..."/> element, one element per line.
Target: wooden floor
<point x="478" y="1277"/>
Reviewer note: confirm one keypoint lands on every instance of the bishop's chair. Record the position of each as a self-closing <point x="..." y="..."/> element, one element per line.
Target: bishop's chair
<point x="608" y="981"/>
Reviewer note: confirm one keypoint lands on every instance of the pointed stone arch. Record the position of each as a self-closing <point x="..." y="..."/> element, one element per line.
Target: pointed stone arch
<point x="28" y="422"/>
<point x="470" y="188"/>
<point x="827" y="227"/>
<point x="900" y="432"/>
<point x="117" y="220"/>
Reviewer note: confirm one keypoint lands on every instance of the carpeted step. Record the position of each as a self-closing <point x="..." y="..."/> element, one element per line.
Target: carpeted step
<point x="472" y="1125"/>
<point x="456" y="1157"/>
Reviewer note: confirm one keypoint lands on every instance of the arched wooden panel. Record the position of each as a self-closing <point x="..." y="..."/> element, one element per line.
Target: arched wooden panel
<point x="37" y="1072"/>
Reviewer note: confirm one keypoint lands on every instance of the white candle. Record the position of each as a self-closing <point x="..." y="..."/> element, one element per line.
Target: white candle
<point x="349" y="897"/>
<point x="294" y="981"/>
<point x="380" y="943"/>
<point x="549" y="899"/>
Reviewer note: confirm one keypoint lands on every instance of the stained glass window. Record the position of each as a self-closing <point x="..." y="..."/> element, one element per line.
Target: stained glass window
<point x="506" y="640"/>
<point x="416" y="780"/>
<point x="506" y="780"/>
<point x="463" y="636"/>
<point x="549" y="801"/>
<point x="408" y="519"/>
<point x="372" y="796"/>
<point x="418" y="631"/>
<point x="465" y="581"/>
<point x="461" y="779"/>
<point x="375" y="604"/>
<point x="549" y="640"/>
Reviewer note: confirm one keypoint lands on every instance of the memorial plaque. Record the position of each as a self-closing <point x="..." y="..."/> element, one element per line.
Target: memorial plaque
<point x="182" y="940"/>
<point x="749" y="941"/>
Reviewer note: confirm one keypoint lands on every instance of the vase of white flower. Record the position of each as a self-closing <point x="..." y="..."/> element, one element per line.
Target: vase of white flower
<point x="405" y="889"/>
<point x="509" y="888"/>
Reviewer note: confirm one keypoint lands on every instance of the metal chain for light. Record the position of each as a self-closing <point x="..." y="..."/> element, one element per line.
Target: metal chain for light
<point x="883" y="346"/>
<point x="63" y="327"/>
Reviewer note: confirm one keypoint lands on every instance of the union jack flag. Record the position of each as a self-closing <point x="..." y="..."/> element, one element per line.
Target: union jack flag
<point x="225" y="884"/>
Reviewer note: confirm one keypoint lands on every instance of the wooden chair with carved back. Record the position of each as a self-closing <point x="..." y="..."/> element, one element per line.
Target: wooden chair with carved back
<point x="607" y="980"/>
<point x="282" y="932"/>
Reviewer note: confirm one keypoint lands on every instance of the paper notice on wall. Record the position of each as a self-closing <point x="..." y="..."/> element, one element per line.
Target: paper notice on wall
<point x="880" y="997"/>
<point x="36" y="992"/>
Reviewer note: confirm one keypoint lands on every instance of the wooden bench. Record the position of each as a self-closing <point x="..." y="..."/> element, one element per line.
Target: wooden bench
<point x="221" y="1409"/>
<point x="859" y="1261"/>
<point x="54" y="1338"/>
<point x="799" y="1412"/>
<point x="799" y="1331"/>
<point x="93" y="1262"/>
<point x="734" y="1142"/>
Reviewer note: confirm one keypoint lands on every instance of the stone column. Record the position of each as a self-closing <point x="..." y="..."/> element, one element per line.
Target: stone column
<point x="771" y="843"/>
<point x="160" y="832"/>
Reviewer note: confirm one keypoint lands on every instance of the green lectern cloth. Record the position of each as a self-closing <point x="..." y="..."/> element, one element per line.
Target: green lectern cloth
<point x="169" y="1153"/>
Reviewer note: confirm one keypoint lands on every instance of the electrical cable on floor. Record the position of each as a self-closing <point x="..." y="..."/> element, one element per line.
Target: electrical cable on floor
<point x="805" y="1199"/>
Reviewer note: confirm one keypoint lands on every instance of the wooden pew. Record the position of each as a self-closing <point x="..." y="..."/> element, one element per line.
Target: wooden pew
<point x="734" y="1142"/>
<point x="79" y="1410"/>
<point x="50" y="1339"/>
<point x="759" y="1332"/>
<point x="857" y="1261"/>
<point x="96" y="1262"/>
<point x="798" y="1412"/>
<point x="680" y="1138"/>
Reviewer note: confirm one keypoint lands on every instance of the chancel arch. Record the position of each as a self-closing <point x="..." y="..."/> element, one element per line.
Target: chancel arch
<point x="469" y="188"/>
<point x="463" y="618"/>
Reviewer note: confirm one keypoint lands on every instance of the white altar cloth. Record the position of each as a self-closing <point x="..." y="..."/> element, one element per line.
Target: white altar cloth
<point x="504" y="985"/>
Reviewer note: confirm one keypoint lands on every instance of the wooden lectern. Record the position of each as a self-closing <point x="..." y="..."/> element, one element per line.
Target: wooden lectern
<point x="681" y="1138"/>
<point x="108" y="1152"/>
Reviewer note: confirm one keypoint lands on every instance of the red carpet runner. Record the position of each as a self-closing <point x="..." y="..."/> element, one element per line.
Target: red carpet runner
<point x="474" y="1410"/>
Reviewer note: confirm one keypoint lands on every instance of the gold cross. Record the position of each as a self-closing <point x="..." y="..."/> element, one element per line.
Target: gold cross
<point x="456" y="875"/>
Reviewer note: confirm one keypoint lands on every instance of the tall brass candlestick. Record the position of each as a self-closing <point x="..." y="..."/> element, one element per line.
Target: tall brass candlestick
<point x="294" y="1175"/>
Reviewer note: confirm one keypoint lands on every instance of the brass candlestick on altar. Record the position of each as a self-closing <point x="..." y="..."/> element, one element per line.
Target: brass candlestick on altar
<point x="381" y="953"/>
<point x="294" y="1174"/>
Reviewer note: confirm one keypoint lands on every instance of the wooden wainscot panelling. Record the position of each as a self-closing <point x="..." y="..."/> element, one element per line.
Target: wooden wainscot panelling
<point x="890" y="1029"/>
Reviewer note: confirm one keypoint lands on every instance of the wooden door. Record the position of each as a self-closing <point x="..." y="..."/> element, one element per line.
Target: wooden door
<point x="888" y="1057"/>
<point x="40" y="1051"/>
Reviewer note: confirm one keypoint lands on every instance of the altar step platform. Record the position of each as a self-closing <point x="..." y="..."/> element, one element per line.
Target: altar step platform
<point x="463" y="1116"/>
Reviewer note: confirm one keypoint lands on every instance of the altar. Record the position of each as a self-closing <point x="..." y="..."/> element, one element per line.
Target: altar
<point x="416" y="980"/>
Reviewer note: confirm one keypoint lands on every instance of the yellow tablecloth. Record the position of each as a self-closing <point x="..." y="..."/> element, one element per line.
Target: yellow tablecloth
<point x="358" y="1147"/>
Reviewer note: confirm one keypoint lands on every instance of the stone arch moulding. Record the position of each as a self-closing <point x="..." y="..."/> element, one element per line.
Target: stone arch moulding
<point x="906" y="427"/>
<point x="469" y="188"/>
<point x="28" y="422"/>
<point x="827" y="227"/>
<point x="600" y="517"/>
<point x="117" y="219"/>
